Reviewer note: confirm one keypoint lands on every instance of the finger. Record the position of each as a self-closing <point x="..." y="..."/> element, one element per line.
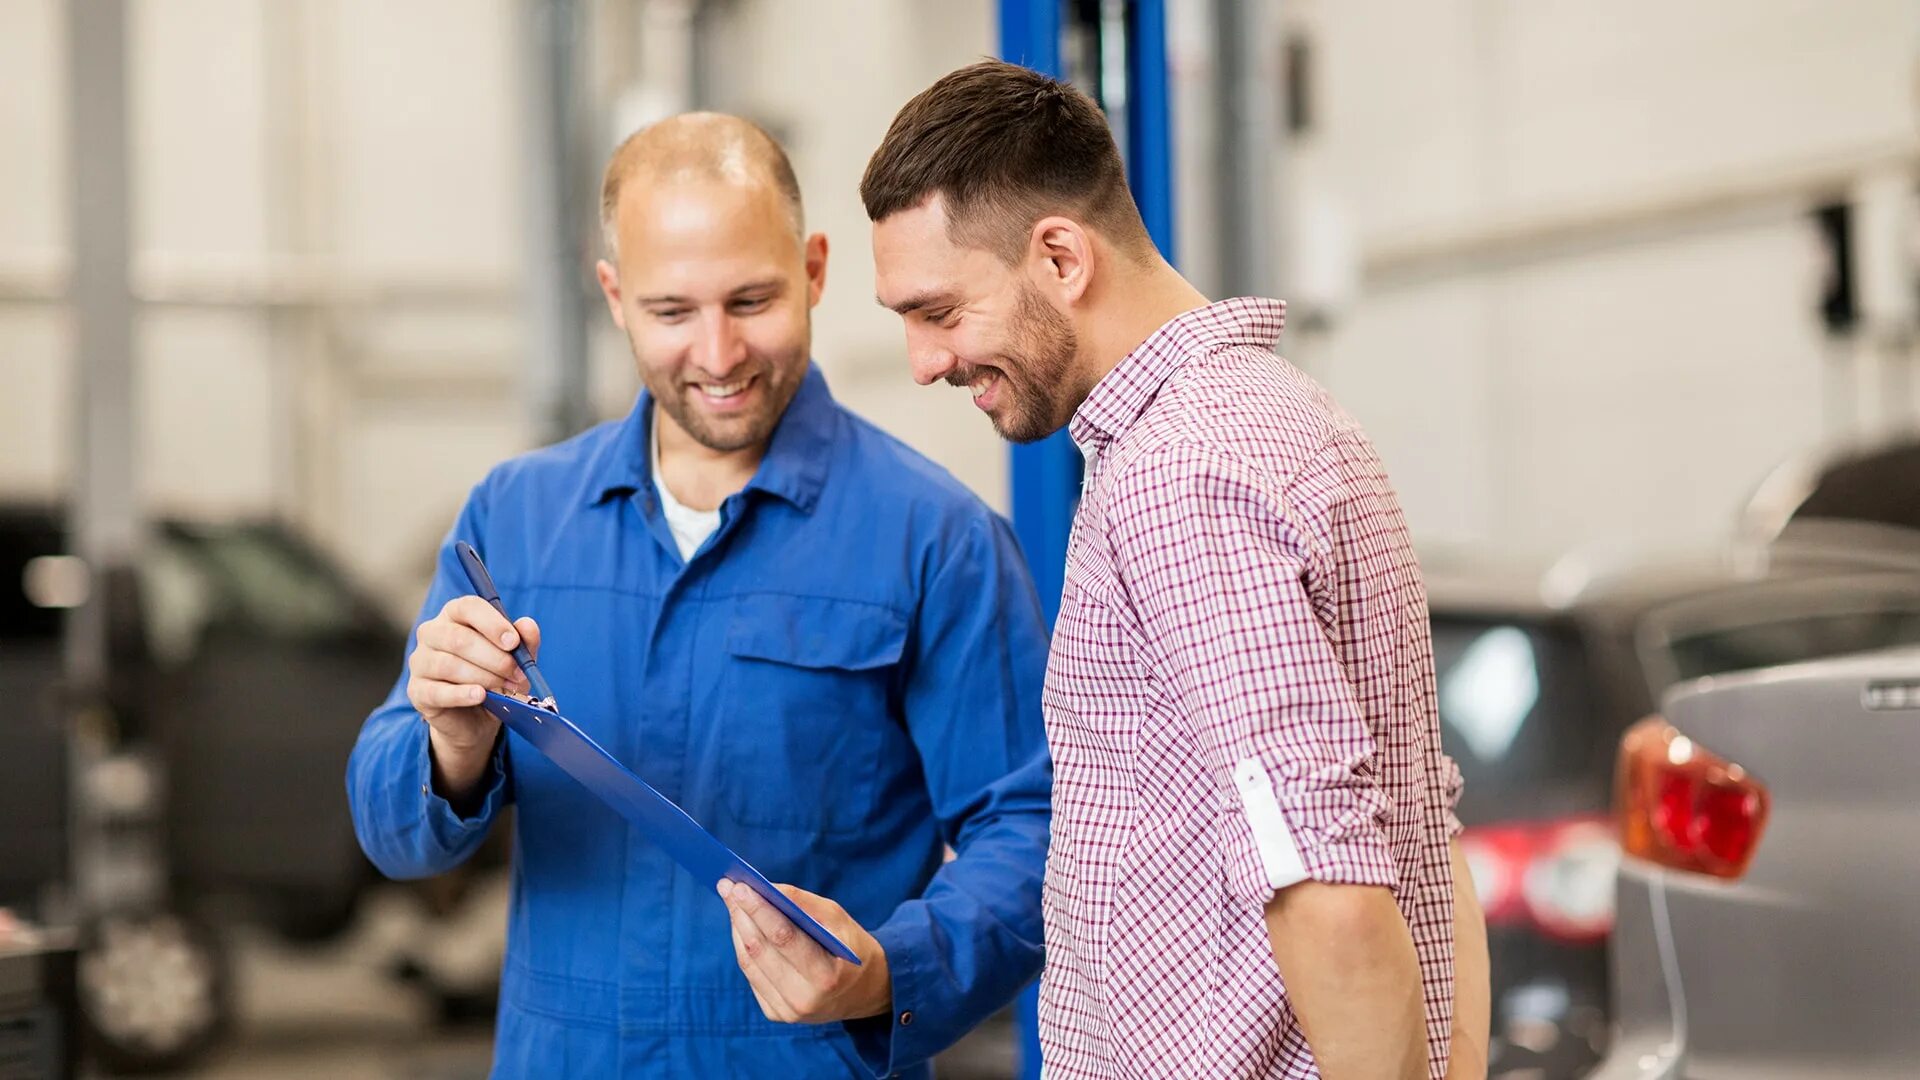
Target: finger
<point x="765" y="971"/>
<point x="799" y="952"/>
<point x="529" y="633"/>
<point x="448" y="668"/>
<point x="432" y="695"/>
<point x="804" y="992"/>
<point x="482" y="616"/>
<point x="770" y="1004"/>
<point x="456" y="639"/>
<point x="812" y="903"/>
<point x="828" y="914"/>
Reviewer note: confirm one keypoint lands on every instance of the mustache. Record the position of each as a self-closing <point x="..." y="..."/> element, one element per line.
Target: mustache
<point x="745" y="372"/>
<point x="961" y="377"/>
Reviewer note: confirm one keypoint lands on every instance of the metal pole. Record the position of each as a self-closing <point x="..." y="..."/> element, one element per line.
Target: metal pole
<point x="1150" y="122"/>
<point x="104" y="513"/>
<point x="557" y="317"/>
<point x="1046" y="474"/>
<point x="1246" y="138"/>
<point x="105" y="521"/>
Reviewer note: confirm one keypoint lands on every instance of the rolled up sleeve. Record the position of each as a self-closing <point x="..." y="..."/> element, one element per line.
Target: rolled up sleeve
<point x="1453" y="784"/>
<point x="1216" y="567"/>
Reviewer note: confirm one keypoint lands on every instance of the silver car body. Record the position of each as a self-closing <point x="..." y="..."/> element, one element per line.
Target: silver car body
<point x="1806" y="966"/>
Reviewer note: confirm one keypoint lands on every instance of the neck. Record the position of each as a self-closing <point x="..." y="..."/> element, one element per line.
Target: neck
<point x="1135" y="304"/>
<point x="700" y="477"/>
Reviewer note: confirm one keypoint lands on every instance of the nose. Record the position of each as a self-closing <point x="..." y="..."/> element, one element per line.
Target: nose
<point x="929" y="361"/>
<point x="722" y="347"/>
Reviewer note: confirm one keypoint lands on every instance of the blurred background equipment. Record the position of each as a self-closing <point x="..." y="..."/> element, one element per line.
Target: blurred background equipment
<point x="39" y="1030"/>
<point x="279" y="279"/>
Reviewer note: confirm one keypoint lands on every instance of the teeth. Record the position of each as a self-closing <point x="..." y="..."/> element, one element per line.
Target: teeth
<point x="981" y="387"/>
<point x="723" y="390"/>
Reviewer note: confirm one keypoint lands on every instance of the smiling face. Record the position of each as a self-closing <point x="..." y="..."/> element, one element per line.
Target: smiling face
<point x="975" y="321"/>
<point x="715" y="293"/>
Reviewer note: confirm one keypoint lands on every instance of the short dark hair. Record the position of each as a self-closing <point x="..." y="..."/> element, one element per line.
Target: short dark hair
<point x="1004" y="146"/>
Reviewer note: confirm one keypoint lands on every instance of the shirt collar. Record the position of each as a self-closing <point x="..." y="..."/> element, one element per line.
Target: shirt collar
<point x="1119" y="398"/>
<point x="794" y="468"/>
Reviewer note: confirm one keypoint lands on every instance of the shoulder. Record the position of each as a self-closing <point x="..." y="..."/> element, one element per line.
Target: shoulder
<point x="883" y="470"/>
<point x="1238" y="431"/>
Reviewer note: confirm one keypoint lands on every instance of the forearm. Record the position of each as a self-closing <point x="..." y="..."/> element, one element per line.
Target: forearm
<point x="962" y="950"/>
<point x="407" y="830"/>
<point x="460" y="772"/>
<point x="1353" y="978"/>
<point x="1471" y="998"/>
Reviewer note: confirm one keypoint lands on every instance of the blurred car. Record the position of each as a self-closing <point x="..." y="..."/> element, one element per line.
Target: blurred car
<point x="241" y="666"/>
<point x="1537" y="686"/>
<point x="1766" y="924"/>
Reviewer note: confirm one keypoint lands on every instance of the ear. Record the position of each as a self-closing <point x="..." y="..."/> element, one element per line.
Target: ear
<point x="816" y="255"/>
<point x="1060" y="256"/>
<point x="610" y="288"/>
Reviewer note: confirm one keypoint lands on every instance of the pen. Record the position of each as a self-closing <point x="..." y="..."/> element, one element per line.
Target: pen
<point x="482" y="583"/>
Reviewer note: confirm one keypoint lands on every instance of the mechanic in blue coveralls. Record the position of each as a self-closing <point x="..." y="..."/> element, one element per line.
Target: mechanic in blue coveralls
<point x="810" y="637"/>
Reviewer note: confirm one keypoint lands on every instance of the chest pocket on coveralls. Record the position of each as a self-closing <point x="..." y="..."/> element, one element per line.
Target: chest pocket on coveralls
<point x="807" y="699"/>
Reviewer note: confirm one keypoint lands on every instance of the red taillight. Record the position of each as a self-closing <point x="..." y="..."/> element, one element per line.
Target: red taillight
<point x="1683" y="806"/>
<point x="1555" y="877"/>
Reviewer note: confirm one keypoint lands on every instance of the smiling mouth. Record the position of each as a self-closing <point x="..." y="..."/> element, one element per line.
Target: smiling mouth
<point x="715" y="391"/>
<point x="975" y="381"/>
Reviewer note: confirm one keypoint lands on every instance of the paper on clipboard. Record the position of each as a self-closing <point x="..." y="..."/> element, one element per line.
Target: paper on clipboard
<point x="659" y="817"/>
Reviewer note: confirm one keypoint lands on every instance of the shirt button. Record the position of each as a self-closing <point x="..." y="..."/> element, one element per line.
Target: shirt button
<point x="424" y="791"/>
<point x="906" y="1018"/>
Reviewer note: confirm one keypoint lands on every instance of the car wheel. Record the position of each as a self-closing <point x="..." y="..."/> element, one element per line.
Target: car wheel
<point x="154" y="991"/>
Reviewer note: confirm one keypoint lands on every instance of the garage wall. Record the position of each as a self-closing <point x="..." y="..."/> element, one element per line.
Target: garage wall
<point x="1624" y="385"/>
<point x="329" y="208"/>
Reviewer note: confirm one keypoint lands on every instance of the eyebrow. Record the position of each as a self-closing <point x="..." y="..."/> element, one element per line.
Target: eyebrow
<point x="931" y="298"/>
<point x="772" y="285"/>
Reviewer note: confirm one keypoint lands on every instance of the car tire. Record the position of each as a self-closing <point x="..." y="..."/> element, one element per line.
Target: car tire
<point x="155" y="991"/>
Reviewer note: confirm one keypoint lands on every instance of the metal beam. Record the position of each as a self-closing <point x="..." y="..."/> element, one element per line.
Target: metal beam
<point x="1149" y="123"/>
<point x="105" y="518"/>
<point x="1246" y="136"/>
<point x="557" y="220"/>
<point x="1046" y="474"/>
<point x="123" y="866"/>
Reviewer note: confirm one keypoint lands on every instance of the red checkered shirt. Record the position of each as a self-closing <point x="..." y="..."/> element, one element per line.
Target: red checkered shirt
<point x="1240" y="698"/>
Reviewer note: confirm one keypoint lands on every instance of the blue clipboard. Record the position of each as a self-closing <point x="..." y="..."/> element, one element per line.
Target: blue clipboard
<point x="665" y="823"/>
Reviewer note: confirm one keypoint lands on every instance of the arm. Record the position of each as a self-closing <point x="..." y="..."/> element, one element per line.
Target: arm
<point x="1472" y="1009"/>
<point x="1217" y="561"/>
<point x="423" y="795"/>
<point x="1353" y="978"/>
<point x="947" y="960"/>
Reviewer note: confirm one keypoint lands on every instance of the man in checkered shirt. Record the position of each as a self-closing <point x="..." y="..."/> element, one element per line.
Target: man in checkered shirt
<point x="1253" y="870"/>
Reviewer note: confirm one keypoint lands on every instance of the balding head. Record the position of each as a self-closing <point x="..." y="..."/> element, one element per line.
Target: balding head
<point x="702" y="146"/>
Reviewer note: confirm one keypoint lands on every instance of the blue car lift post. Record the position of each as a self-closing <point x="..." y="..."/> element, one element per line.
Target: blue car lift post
<point x="1046" y="474"/>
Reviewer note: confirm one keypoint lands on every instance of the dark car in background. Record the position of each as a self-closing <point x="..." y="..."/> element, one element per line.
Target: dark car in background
<point x="241" y="665"/>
